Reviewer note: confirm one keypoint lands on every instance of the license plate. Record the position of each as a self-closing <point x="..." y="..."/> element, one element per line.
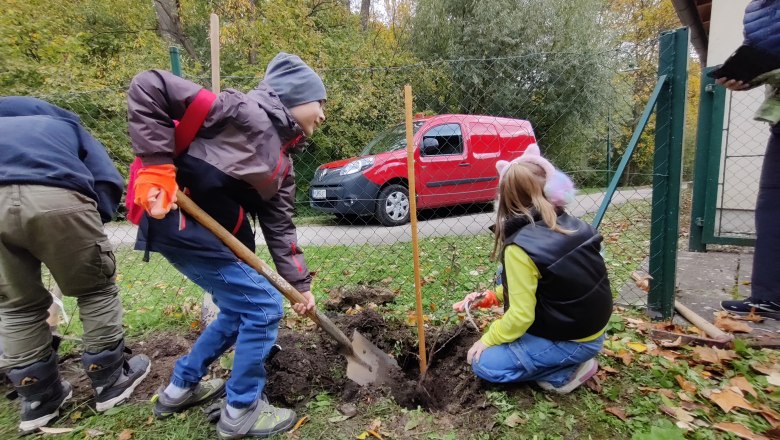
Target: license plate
<point x="318" y="194"/>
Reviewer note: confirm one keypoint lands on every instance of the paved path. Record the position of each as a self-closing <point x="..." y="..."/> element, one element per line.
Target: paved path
<point x="462" y="225"/>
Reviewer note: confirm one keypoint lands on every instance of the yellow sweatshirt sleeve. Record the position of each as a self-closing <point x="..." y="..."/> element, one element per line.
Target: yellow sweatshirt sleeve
<point x="523" y="277"/>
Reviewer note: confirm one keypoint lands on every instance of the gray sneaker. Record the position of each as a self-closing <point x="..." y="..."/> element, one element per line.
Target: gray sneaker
<point x="203" y="392"/>
<point x="260" y="420"/>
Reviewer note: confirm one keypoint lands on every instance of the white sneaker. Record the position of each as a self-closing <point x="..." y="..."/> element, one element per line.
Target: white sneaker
<point x="585" y="371"/>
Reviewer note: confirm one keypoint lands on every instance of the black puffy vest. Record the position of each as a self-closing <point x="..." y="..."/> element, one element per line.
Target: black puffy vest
<point x="573" y="298"/>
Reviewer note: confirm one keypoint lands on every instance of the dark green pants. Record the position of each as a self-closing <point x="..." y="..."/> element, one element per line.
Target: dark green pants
<point x="61" y="229"/>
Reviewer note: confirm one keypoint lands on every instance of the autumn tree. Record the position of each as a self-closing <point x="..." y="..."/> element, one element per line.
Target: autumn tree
<point x="551" y="62"/>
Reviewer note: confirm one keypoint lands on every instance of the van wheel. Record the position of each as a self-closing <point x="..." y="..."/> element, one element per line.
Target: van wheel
<point x="392" y="207"/>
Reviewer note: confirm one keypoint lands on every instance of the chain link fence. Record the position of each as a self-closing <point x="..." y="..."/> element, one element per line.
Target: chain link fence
<point x="352" y="206"/>
<point x="744" y="144"/>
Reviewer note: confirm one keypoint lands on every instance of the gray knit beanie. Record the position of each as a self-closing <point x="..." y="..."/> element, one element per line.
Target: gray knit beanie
<point x="294" y="81"/>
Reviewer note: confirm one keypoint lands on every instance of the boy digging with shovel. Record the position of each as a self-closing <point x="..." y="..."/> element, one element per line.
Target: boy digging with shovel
<point x="238" y="165"/>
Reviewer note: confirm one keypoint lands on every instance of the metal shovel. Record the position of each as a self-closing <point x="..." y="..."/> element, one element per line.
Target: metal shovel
<point x="366" y="363"/>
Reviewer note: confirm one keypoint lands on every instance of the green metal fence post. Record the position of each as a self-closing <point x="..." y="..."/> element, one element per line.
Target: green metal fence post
<point x="667" y="172"/>
<point x="175" y="61"/>
<point x="701" y="163"/>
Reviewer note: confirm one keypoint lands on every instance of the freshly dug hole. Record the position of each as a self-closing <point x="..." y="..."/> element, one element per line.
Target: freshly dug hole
<point x="309" y="363"/>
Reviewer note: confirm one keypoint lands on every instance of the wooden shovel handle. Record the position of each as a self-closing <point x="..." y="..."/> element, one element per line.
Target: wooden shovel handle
<point x="250" y="258"/>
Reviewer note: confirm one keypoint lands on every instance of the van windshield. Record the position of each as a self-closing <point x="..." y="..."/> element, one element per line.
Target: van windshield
<point x="391" y="139"/>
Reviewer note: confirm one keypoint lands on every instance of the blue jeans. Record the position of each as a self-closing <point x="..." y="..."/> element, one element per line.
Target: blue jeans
<point x="249" y="312"/>
<point x="531" y="358"/>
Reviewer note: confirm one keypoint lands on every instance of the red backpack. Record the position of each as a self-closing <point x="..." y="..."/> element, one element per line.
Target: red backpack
<point x="184" y="134"/>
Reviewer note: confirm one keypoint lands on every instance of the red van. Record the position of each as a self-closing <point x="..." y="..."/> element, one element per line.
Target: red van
<point x="455" y="158"/>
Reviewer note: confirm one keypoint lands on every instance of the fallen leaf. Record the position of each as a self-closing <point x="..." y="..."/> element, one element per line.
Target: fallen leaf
<point x="642" y="280"/>
<point x="684" y="425"/>
<point x="626" y="357"/>
<point x="338" y="419"/>
<point x="375" y="425"/>
<point x="693" y="406"/>
<point x="728" y="399"/>
<point x="608" y="369"/>
<point x="773" y="433"/>
<point x="678" y="413"/>
<point x="765" y="369"/>
<point x="514" y="420"/>
<point x="686" y="385"/>
<point x="375" y="434"/>
<point x="637" y="347"/>
<point x="412" y="423"/>
<point x="666" y="354"/>
<point x="648" y="389"/>
<point x="742" y="383"/>
<point x="774" y="379"/>
<point x="126" y="434"/>
<point x="617" y="412"/>
<point x="300" y="423"/>
<point x="594" y="384"/>
<point x="713" y="355"/>
<point x="47" y="430"/>
<point x="732" y="325"/>
<point x="738" y="430"/>
<point x="682" y="395"/>
<point x="737" y="390"/>
<point x="771" y="416"/>
<point x="669" y="344"/>
<point x="635" y="322"/>
<point x="696" y="331"/>
<point x="752" y="317"/>
<point x="89" y="433"/>
<point x="666" y="392"/>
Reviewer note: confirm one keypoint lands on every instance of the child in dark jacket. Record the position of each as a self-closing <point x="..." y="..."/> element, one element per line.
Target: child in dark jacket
<point x="239" y="165"/>
<point x="556" y="293"/>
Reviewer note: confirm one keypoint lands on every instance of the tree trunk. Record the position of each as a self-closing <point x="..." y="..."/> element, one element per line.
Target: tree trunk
<point x="169" y="25"/>
<point x="346" y="4"/>
<point x="365" y="12"/>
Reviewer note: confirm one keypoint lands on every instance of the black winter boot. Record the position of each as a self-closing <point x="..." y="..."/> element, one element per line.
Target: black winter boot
<point x="42" y="392"/>
<point x="113" y="377"/>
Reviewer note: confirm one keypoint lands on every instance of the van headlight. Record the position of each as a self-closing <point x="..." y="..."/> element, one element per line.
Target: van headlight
<point x="357" y="166"/>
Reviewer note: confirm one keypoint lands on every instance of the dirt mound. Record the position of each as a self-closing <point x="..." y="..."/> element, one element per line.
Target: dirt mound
<point x="343" y="298"/>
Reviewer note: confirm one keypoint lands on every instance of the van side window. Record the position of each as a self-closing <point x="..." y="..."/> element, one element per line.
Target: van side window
<point x="449" y="138"/>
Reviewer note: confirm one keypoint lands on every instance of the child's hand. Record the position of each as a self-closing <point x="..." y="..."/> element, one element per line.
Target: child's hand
<point x="475" y="351"/>
<point x="460" y="306"/>
<point x="482" y="300"/>
<point x="303" y="308"/>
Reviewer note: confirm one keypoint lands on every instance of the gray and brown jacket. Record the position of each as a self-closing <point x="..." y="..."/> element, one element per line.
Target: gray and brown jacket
<point x="238" y="166"/>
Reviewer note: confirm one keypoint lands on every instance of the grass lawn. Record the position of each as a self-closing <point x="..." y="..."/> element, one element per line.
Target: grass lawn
<point x="645" y="391"/>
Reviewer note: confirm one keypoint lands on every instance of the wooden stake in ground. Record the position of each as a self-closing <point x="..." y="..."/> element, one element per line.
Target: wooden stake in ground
<point x="214" y="36"/>
<point x="413" y="220"/>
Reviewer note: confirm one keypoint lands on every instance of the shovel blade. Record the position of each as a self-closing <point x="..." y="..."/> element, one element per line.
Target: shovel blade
<point x="367" y="364"/>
